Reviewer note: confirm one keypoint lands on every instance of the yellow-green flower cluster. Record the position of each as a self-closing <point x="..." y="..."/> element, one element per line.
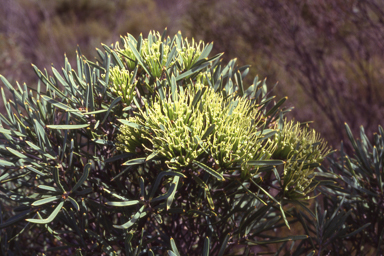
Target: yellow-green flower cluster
<point x="189" y="52"/>
<point x="155" y="52"/>
<point x="236" y="136"/>
<point x="303" y="150"/>
<point x="150" y="52"/>
<point x="152" y="56"/>
<point x="181" y="132"/>
<point x="202" y="77"/>
<point x="122" y="84"/>
<point x="131" y="140"/>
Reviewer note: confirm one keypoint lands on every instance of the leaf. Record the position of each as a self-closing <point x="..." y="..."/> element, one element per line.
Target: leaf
<point x="95" y="112"/>
<point x="46" y="200"/>
<point x="160" y="176"/>
<point x="117" y="157"/>
<point x="121" y="173"/>
<point x="15" y="219"/>
<point x="68" y="127"/>
<point x="152" y="155"/>
<point x="251" y="193"/>
<point x="57" y="180"/>
<point x="171" y="189"/>
<point x="265" y="192"/>
<point x="197" y="97"/>
<point x="49" y="188"/>
<point x="192" y="71"/>
<point x="11" y="132"/>
<point x="377" y="164"/>
<point x="103" y="142"/>
<point x="209" y="199"/>
<point x="62" y="106"/>
<point x="350" y="136"/>
<point x="284" y="217"/>
<point x="33" y="146"/>
<point x="274" y="108"/>
<point x="131" y="221"/>
<point x="6" y="163"/>
<point x="59" y="77"/>
<point x="35" y="171"/>
<point x="224" y="245"/>
<point x="130" y="124"/>
<point x="74" y="203"/>
<point x="265" y="162"/>
<point x="113" y="104"/>
<point x="124" y="203"/>
<point x="50" y="218"/>
<point x="127" y="243"/>
<point x="16" y="153"/>
<point x="209" y="170"/>
<point x="277" y="240"/>
<point x="4" y="176"/>
<point x="135" y="161"/>
<point x="174" y="89"/>
<point x="207" y="50"/>
<point x="83" y="177"/>
<point x="174" y="247"/>
<point x="172" y="195"/>
<point x="206" y="247"/>
<point x="138" y="57"/>
<point x="9" y="86"/>
<point x="208" y="132"/>
<point x="170" y="56"/>
<point x="117" y="60"/>
<point x="356" y="231"/>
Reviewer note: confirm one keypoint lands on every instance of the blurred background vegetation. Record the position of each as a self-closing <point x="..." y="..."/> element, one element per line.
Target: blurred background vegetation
<point x="326" y="55"/>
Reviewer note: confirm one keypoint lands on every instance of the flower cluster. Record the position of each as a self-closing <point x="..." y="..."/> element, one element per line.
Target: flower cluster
<point x="123" y="84"/>
<point x="303" y="150"/>
<point x="158" y="53"/>
<point x="181" y="132"/>
<point x="189" y="53"/>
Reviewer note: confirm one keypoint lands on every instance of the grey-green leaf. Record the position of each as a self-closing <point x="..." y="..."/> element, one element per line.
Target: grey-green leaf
<point x="50" y="218"/>
<point x="209" y="170"/>
<point x="67" y="126"/>
<point x="83" y="177"/>
<point x="124" y="203"/>
<point x="46" y="200"/>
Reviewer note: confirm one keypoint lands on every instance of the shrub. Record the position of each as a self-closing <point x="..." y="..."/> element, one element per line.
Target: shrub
<point x="358" y="199"/>
<point x="155" y="147"/>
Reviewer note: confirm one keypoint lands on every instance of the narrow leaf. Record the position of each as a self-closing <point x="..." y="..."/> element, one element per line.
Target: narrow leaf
<point x="174" y="247"/>
<point x="46" y="200"/>
<point x="209" y="170"/>
<point x="131" y="221"/>
<point x="83" y="177"/>
<point x="265" y="162"/>
<point x="50" y="218"/>
<point x="124" y="203"/>
<point x="67" y="127"/>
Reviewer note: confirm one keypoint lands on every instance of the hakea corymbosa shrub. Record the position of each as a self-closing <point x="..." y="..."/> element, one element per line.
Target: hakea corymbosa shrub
<point x="154" y="147"/>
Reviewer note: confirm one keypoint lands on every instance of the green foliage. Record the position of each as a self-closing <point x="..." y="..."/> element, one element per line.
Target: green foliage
<point x="154" y="148"/>
<point x="362" y="194"/>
